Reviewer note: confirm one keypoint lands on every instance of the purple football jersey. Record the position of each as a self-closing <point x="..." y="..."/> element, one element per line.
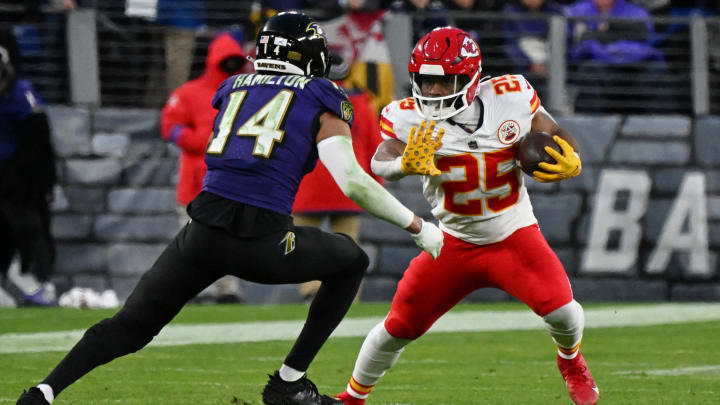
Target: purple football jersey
<point x="263" y="140"/>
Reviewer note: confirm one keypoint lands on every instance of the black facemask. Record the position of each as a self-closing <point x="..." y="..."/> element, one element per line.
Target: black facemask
<point x="232" y="65"/>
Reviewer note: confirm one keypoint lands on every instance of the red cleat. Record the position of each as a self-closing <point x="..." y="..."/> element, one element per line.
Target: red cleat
<point x="349" y="399"/>
<point x="579" y="381"/>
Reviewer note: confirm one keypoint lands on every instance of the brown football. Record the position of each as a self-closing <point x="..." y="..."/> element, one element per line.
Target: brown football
<point x="531" y="151"/>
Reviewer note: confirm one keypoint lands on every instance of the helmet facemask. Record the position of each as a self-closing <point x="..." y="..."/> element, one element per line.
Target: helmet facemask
<point x="442" y="107"/>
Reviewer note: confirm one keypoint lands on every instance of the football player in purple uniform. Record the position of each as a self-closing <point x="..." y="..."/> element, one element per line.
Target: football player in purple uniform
<point x="270" y="129"/>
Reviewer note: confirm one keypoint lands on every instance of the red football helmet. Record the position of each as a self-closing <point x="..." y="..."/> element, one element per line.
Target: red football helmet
<point x="451" y="53"/>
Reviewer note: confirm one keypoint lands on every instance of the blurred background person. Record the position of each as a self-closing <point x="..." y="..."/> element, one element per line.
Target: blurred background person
<point x="187" y="121"/>
<point x="181" y="18"/>
<point x="613" y="50"/>
<point x="526" y="40"/>
<point x="27" y="178"/>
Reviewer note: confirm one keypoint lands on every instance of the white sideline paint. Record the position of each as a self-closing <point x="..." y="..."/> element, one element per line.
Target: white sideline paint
<point x="675" y="371"/>
<point x="469" y="321"/>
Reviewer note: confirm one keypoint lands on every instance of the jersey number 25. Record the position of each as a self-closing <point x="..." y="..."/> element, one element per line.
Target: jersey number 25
<point x="493" y="179"/>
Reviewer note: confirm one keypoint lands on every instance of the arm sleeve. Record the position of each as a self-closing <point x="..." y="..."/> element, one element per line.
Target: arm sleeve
<point x="388" y="169"/>
<point x="336" y="153"/>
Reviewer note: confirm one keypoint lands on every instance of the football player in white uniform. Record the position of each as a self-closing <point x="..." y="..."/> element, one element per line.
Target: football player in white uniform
<point x="466" y="157"/>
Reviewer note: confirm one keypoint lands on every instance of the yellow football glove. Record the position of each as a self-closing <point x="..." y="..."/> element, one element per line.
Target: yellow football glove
<point x="568" y="164"/>
<point x="419" y="154"/>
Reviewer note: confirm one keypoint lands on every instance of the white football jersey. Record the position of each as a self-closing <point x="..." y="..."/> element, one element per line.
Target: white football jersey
<point x="480" y="197"/>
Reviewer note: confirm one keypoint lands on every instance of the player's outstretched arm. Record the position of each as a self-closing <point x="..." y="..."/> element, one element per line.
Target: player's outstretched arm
<point x="395" y="159"/>
<point x="336" y="152"/>
<point x="568" y="163"/>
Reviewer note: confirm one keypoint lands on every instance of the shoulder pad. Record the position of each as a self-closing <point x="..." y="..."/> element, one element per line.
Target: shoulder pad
<point x="333" y="97"/>
<point x="397" y="118"/>
<point x="512" y="91"/>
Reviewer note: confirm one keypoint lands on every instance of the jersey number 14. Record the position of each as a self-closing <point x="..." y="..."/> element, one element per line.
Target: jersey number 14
<point x="264" y="125"/>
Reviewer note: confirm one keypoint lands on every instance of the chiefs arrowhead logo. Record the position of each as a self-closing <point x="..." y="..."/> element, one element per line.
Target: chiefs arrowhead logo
<point x="469" y="48"/>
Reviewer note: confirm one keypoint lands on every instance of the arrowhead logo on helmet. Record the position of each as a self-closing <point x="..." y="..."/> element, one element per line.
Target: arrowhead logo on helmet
<point x="469" y="48"/>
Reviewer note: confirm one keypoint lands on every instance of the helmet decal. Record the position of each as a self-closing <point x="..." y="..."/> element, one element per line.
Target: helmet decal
<point x="469" y="48"/>
<point x="316" y="29"/>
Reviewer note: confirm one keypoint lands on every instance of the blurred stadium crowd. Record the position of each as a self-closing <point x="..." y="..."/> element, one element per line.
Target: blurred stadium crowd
<point x="637" y="56"/>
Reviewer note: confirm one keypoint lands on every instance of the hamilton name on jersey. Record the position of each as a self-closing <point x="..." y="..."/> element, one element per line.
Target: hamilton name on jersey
<point x="480" y="197"/>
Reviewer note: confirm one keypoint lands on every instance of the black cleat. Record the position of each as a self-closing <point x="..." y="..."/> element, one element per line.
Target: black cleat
<point x="32" y="397"/>
<point x="300" y="392"/>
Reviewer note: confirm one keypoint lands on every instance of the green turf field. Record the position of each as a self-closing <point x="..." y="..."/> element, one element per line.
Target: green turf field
<point x="670" y="364"/>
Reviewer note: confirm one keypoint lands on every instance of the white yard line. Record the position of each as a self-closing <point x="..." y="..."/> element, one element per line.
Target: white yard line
<point x="469" y="321"/>
<point x="715" y="369"/>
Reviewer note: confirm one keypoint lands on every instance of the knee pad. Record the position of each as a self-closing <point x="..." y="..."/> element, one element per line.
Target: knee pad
<point x="566" y="324"/>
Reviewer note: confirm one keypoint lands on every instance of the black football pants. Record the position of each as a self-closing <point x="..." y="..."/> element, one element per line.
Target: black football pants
<point x="197" y="257"/>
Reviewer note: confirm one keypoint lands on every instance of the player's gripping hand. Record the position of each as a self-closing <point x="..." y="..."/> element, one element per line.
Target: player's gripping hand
<point x="429" y="239"/>
<point x="568" y="163"/>
<point x="419" y="154"/>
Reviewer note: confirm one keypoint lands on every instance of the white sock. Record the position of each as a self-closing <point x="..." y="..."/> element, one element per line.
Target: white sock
<point x="379" y="352"/>
<point x="566" y="325"/>
<point x="47" y="392"/>
<point x="289" y="374"/>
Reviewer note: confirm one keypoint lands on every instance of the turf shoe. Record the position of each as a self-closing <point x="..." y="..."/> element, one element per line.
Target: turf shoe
<point x="300" y="392"/>
<point x="349" y="399"/>
<point x="579" y="381"/>
<point x="32" y="397"/>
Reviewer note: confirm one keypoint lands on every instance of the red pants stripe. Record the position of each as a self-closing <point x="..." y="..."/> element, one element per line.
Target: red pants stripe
<point x="523" y="265"/>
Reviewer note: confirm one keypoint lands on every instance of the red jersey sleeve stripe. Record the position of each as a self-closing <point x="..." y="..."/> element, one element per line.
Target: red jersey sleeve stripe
<point x="534" y="102"/>
<point x="390" y="133"/>
<point x="387" y="122"/>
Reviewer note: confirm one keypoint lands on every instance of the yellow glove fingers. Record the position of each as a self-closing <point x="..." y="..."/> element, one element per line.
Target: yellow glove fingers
<point x="427" y="138"/>
<point x="545" y="177"/>
<point x="420" y="133"/>
<point x="567" y="150"/>
<point x="438" y="139"/>
<point x="411" y="136"/>
<point x="555" y="155"/>
<point x="552" y="168"/>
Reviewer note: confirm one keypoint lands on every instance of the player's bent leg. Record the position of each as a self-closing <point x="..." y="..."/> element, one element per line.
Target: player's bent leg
<point x="524" y="266"/>
<point x="379" y="352"/>
<point x="428" y="289"/>
<point x="158" y="297"/>
<point x="565" y="325"/>
<point x="340" y="271"/>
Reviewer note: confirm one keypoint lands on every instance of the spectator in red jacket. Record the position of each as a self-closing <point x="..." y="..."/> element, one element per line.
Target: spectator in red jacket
<point x="319" y="198"/>
<point x="187" y="121"/>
